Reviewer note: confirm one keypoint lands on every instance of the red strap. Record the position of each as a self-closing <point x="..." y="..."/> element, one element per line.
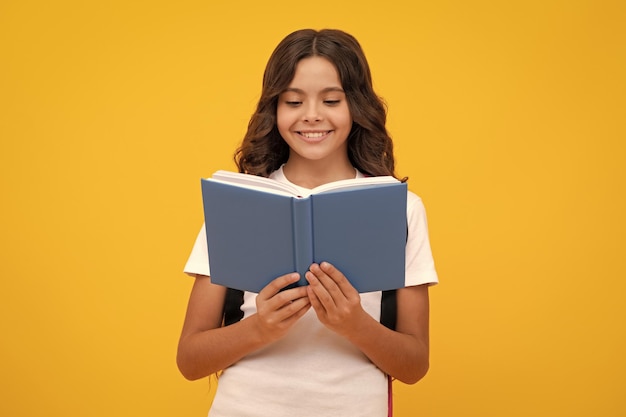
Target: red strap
<point x="390" y="398"/>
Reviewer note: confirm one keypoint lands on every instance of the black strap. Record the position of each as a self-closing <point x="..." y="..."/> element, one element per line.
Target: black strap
<point x="232" y="306"/>
<point x="389" y="309"/>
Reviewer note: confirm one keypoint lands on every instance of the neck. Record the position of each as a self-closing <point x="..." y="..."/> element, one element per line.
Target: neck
<point x="311" y="174"/>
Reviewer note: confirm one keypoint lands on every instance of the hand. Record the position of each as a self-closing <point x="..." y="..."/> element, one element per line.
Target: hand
<point x="335" y="301"/>
<point x="278" y="310"/>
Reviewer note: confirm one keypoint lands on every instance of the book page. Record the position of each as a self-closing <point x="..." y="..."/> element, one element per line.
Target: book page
<point x="254" y="182"/>
<point x="353" y="183"/>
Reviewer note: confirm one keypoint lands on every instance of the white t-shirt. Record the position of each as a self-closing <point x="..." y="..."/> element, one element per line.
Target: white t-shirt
<point x="312" y="371"/>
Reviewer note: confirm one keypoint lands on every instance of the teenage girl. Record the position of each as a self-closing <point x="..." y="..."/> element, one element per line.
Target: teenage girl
<point x="322" y="349"/>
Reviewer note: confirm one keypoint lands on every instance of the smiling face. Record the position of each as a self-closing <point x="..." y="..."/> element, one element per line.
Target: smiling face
<point x="313" y="115"/>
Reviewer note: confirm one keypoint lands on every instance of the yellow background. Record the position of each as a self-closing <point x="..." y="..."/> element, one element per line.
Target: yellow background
<point x="508" y="117"/>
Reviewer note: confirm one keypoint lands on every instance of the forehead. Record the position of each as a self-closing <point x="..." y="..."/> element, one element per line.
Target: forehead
<point x="315" y="71"/>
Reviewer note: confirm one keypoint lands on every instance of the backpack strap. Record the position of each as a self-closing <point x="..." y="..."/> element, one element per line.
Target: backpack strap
<point x="388" y="316"/>
<point x="390" y="396"/>
<point x="389" y="309"/>
<point x="232" y="306"/>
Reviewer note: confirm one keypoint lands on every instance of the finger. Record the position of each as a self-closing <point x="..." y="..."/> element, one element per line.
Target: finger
<point x="339" y="278"/>
<point x="293" y="310"/>
<point x="293" y="294"/>
<point x="299" y="308"/>
<point x="275" y="286"/>
<point x="288" y="297"/>
<point x="278" y="302"/>
<point x="321" y="293"/>
<point x="314" y="300"/>
<point x="329" y="281"/>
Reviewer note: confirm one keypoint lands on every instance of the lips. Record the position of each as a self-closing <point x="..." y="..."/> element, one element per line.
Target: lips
<point x="314" y="136"/>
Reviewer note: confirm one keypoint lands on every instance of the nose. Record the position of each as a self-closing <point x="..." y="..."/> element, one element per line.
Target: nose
<point x="312" y="113"/>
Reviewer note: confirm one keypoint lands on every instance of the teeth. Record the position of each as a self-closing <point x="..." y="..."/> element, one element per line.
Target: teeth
<point x="313" y="135"/>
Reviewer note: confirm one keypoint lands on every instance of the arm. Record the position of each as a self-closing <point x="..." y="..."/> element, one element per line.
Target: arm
<point x="206" y="347"/>
<point x="402" y="353"/>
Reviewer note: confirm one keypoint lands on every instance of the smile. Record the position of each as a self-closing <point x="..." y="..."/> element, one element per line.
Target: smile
<point x="314" y="136"/>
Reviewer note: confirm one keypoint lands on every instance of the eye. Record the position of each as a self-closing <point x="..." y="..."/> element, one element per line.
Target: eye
<point x="332" y="102"/>
<point x="293" y="103"/>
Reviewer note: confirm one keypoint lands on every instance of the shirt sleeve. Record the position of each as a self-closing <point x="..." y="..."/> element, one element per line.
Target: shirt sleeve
<point x="420" y="266"/>
<point x="198" y="261"/>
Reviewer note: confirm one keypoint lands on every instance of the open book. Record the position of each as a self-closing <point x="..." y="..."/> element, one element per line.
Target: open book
<point x="258" y="229"/>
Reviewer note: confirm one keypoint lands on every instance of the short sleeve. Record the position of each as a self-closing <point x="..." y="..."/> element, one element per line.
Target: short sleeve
<point x="198" y="261"/>
<point x="420" y="266"/>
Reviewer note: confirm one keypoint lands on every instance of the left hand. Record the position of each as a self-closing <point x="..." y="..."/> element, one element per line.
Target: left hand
<point x="335" y="301"/>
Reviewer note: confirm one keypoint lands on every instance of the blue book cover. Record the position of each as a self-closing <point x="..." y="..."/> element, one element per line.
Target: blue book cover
<point x="258" y="229"/>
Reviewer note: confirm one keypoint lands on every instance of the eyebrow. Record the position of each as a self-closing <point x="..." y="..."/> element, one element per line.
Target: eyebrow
<point x="325" y="90"/>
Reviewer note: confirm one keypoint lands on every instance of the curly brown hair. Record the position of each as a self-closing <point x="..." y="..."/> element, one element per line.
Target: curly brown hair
<point x="370" y="148"/>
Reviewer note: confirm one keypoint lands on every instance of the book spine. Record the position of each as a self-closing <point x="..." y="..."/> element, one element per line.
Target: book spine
<point x="302" y="236"/>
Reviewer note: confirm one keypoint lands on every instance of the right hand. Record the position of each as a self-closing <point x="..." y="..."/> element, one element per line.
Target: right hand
<point x="278" y="311"/>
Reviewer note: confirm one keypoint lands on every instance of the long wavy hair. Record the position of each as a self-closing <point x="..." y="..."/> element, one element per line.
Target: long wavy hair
<point x="370" y="148"/>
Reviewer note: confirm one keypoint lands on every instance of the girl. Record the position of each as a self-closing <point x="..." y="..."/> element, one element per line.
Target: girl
<point x="323" y="349"/>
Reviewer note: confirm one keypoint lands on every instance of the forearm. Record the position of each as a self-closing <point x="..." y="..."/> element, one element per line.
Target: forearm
<point x="206" y="347"/>
<point x="204" y="353"/>
<point x="403" y="356"/>
<point x="402" y="353"/>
